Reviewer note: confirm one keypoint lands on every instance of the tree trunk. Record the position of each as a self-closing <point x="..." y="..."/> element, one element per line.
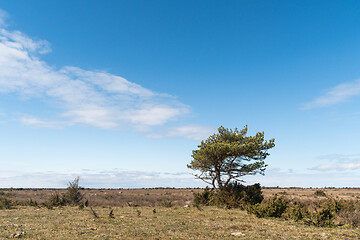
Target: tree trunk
<point x="218" y="178"/>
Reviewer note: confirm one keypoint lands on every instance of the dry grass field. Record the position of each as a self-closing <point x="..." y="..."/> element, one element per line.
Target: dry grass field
<point x="148" y="214"/>
<point x="160" y="196"/>
<point x="166" y="223"/>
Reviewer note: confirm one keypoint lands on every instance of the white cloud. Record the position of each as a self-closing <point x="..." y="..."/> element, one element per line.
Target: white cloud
<point x="94" y="98"/>
<point x="338" y="162"/>
<point x="33" y="121"/>
<point x="193" y="132"/>
<point x="149" y="179"/>
<point x="337" y="94"/>
<point x="285" y="178"/>
<point x="3" y="16"/>
<point x="98" y="179"/>
<point x="154" y="115"/>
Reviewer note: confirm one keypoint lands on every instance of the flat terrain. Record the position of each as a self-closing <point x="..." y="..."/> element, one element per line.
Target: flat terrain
<point x="160" y="196"/>
<point x="166" y="223"/>
<point x="158" y="214"/>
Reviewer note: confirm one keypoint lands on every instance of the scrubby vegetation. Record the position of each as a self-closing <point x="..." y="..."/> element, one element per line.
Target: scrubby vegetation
<point x="326" y="212"/>
<point x="232" y="196"/>
<point x="322" y="213"/>
<point x="247" y="211"/>
<point x="5" y="203"/>
<point x="273" y="207"/>
<point x="72" y="196"/>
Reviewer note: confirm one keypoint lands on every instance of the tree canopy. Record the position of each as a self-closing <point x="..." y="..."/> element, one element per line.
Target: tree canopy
<point x="230" y="154"/>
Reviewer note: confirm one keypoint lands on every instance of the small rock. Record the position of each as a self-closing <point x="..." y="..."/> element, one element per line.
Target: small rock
<point x="16" y="235"/>
<point x="238" y="234"/>
<point x="186" y="206"/>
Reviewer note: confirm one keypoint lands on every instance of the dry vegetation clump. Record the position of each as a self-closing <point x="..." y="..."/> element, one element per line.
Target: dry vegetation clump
<point x="6" y="203"/>
<point x="320" y="193"/>
<point x="233" y="195"/>
<point x="72" y="196"/>
<point x="273" y="207"/>
<point x="321" y="213"/>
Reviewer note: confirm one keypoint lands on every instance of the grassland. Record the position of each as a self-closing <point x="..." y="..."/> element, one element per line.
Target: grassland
<point x="142" y="222"/>
<point x="166" y="223"/>
<point x="158" y="196"/>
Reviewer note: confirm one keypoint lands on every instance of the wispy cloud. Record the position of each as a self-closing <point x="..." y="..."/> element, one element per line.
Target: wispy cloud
<point x="338" y="162"/>
<point x="286" y="178"/>
<point x="139" y="179"/>
<point x="33" y="121"/>
<point x="193" y="132"/>
<point x="3" y="17"/>
<point x="94" y="98"/>
<point x="337" y="94"/>
<point x="99" y="179"/>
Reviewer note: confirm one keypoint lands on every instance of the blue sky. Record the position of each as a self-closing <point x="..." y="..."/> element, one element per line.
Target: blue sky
<point x="120" y="92"/>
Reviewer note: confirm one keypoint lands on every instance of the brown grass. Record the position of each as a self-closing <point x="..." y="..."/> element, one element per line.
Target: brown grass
<point x="112" y="197"/>
<point x="177" y="197"/>
<point x="160" y="214"/>
<point x="166" y="223"/>
<point x="308" y="194"/>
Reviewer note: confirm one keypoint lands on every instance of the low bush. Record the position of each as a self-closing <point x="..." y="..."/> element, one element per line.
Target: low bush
<point x="204" y="198"/>
<point x="296" y="212"/>
<point x="32" y="203"/>
<point x="56" y="200"/>
<point x="320" y="193"/>
<point x="233" y="195"/>
<point x="273" y="207"/>
<point x="5" y="203"/>
<point x="324" y="213"/>
<point x="72" y="196"/>
<point x="349" y="213"/>
<point x="324" y="218"/>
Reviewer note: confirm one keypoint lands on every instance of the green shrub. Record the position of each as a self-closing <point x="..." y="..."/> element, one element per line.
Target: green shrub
<point x="56" y="200"/>
<point x="332" y="204"/>
<point x="204" y="198"/>
<point x="233" y="195"/>
<point x="73" y="196"/>
<point x="273" y="207"/>
<point x="320" y="193"/>
<point x="296" y="212"/>
<point x="240" y="195"/>
<point x="324" y="218"/>
<point x="5" y="203"/>
<point x="32" y="203"/>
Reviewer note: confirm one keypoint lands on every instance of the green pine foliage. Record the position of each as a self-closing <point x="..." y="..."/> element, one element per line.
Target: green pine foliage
<point x="232" y="196"/>
<point x="229" y="155"/>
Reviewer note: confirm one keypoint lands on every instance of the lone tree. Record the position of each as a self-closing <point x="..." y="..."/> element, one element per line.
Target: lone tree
<point x="229" y="155"/>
